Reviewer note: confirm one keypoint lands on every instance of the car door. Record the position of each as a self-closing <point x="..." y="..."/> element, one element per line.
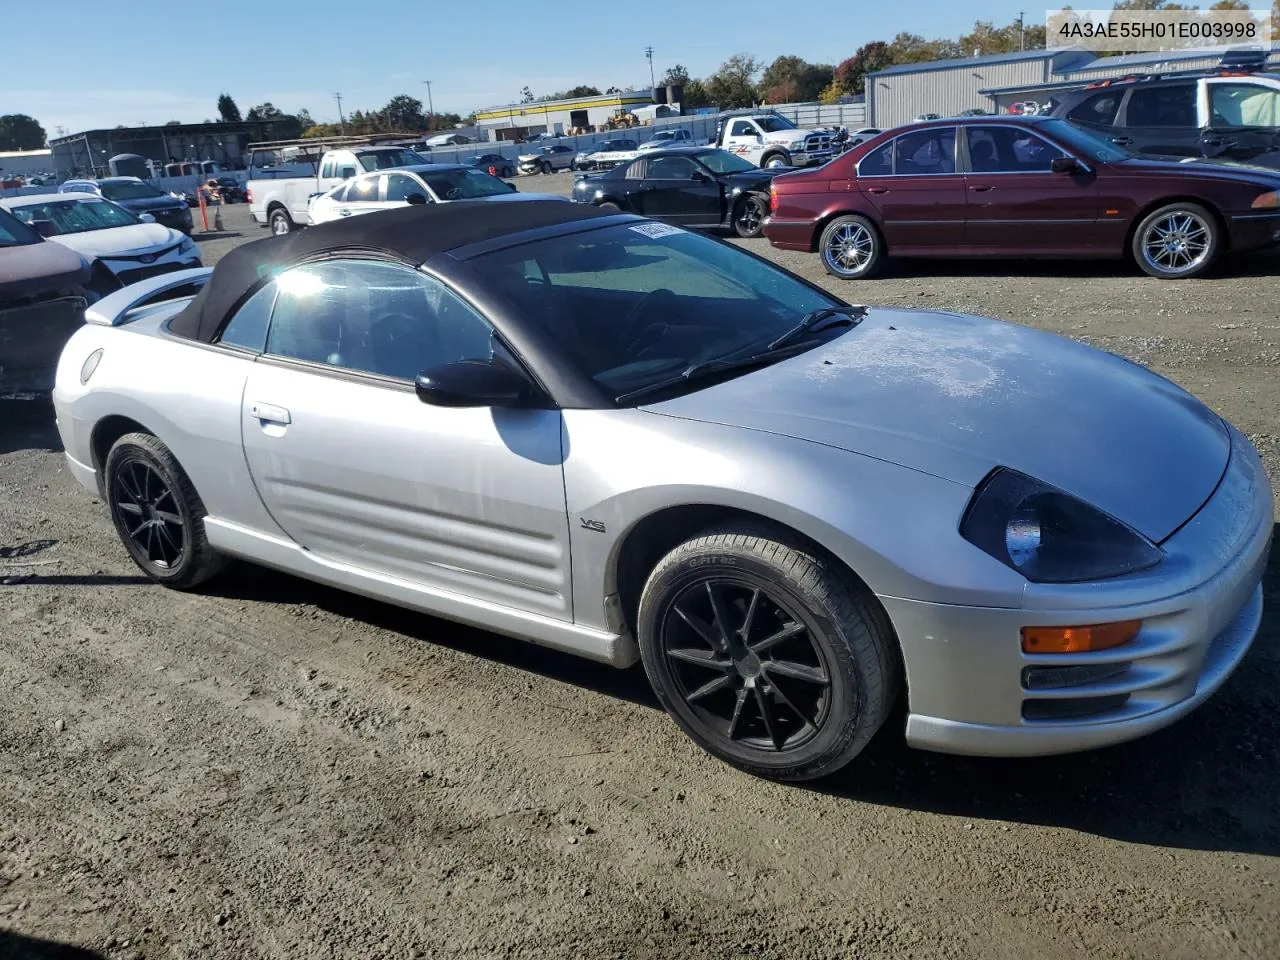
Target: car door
<point x="679" y="190"/>
<point x="397" y="188"/>
<point x="1243" y="122"/>
<point x="1160" y="119"/>
<point x="913" y="183"/>
<point x="361" y="473"/>
<point x="1016" y="201"/>
<point x="363" y="196"/>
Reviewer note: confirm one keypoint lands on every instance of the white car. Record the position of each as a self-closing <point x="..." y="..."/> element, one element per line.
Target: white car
<point x="132" y="247"/>
<point x="668" y="138"/>
<point x="427" y="183"/>
<point x="548" y="159"/>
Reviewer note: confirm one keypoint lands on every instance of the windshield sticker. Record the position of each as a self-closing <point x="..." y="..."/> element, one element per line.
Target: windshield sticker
<point x="655" y="230"/>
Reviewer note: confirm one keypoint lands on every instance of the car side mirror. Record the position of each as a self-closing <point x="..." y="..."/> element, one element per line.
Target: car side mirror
<point x="475" y="383"/>
<point x="416" y="199"/>
<point x="146" y="218"/>
<point x="699" y="177"/>
<point x="1064" y="165"/>
<point x="46" y="228"/>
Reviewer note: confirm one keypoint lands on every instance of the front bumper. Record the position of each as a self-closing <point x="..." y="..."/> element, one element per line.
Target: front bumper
<point x="973" y="691"/>
<point x="131" y="270"/>
<point x="178" y="218"/>
<point x="1255" y="230"/>
<point x="812" y="158"/>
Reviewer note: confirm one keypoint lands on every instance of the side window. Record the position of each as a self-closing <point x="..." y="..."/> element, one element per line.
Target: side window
<point x="1101" y="108"/>
<point x="1162" y="106"/>
<point x="374" y="317"/>
<point x="637" y="170"/>
<point x="400" y="185"/>
<point x="327" y="168"/>
<point x="1243" y="105"/>
<point x="248" y="327"/>
<point x="930" y="151"/>
<point x="741" y="128"/>
<point x="1009" y="150"/>
<point x="364" y="190"/>
<point x="877" y="163"/>
<point x="672" y="168"/>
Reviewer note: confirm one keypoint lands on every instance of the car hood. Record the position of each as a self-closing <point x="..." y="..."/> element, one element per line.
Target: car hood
<point x="1220" y="168"/>
<point x="526" y="157"/>
<point x="149" y="204"/>
<point x="32" y="269"/>
<point x="120" y="241"/>
<point x="956" y="396"/>
<point x="748" y="179"/>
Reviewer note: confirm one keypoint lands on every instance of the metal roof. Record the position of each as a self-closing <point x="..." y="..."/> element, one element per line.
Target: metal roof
<point x="930" y="65"/>
<point x="1154" y="58"/>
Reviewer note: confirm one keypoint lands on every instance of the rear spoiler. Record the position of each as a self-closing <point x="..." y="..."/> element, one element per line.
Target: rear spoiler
<point x="113" y="309"/>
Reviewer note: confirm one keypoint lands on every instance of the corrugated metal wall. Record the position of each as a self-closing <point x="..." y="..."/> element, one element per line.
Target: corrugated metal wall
<point x="899" y="97"/>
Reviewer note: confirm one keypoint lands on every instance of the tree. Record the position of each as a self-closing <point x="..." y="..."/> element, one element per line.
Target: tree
<point x="613" y="90"/>
<point x="1230" y="5"/>
<point x="304" y="118"/>
<point x="674" y="76"/>
<point x="21" y="132"/>
<point x="263" y="112"/>
<point x="695" y="95"/>
<point x="733" y="85"/>
<point x="174" y="123"/>
<point x="1275" y="19"/>
<point x="911" y="48"/>
<point x="403" y="113"/>
<point x="227" y="109"/>
<point x="575" y="93"/>
<point x="851" y="74"/>
<point x="526" y="95"/>
<point x="790" y="79"/>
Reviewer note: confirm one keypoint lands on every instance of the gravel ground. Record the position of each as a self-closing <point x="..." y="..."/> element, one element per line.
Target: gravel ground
<point x="272" y="769"/>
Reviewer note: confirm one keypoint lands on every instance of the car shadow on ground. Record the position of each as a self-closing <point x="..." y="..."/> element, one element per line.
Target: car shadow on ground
<point x="1207" y="783"/>
<point x="27" y="424"/>
<point x="15" y="946"/>
<point x="1262" y="263"/>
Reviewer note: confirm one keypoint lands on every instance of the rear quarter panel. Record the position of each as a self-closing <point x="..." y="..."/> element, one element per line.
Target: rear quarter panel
<point x="188" y="396"/>
<point x="806" y="201"/>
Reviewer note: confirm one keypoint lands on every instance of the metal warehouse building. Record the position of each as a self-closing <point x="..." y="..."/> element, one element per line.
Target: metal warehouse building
<point x="994" y="83"/>
<point x="560" y="116"/>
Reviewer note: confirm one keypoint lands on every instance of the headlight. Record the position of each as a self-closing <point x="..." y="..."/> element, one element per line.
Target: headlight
<point x="187" y="245"/>
<point x="1049" y="536"/>
<point x="1266" y="201"/>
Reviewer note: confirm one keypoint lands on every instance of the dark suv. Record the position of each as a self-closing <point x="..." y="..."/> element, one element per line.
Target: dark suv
<point x="1229" y="113"/>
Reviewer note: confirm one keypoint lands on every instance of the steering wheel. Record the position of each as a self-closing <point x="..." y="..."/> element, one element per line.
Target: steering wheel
<point x="637" y="331"/>
<point x="453" y="193"/>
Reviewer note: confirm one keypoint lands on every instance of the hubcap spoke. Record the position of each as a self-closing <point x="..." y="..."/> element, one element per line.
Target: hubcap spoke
<point x="796" y="671"/>
<point x="700" y="627"/>
<point x="766" y="715"/>
<point x="768" y="643"/>
<point x="737" y="713"/>
<point x="149" y="513"/>
<point x="700" y="658"/>
<point x="721" y="618"/>
<point x="129" y="507"/>
<point x="711" y="686"/>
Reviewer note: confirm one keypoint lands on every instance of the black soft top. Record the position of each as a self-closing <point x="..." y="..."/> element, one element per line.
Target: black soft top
<point x="409" y="235"/>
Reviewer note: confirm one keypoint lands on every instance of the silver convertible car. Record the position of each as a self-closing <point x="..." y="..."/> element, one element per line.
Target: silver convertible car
<point x="628" y="441"/>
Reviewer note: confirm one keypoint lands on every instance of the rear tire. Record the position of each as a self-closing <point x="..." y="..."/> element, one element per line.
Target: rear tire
<point x="766" y="653"/>
<point x="280" y="223"/>
<point x="158" y="514"/>
<point x="851" y="248"/>
<point x="610" y="206"/>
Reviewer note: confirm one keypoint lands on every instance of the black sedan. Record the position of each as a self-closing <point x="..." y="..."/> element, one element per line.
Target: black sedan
<point x="501" y="166"/>
<point x="692" y="187"/>
<point x="138" y="197"/>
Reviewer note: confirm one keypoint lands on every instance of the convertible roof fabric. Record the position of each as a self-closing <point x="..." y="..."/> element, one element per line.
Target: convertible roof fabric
<point x="411" y="234"/>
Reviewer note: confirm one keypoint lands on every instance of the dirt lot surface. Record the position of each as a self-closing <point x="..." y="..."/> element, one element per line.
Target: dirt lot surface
<point x="273" y="769"/>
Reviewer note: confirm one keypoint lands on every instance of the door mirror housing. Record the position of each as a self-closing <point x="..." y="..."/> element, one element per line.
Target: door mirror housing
<point x="476" y="383"/>
<point x="1065" y="165"/>
<point x="146" y="218"/>
<point x="46" y="228"/>
<point x="699" y="177"/>
<point x="416" y="199"/>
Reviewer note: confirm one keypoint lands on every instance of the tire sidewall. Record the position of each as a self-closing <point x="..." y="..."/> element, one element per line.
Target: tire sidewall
<point x="122" y="454"/>
<point x="847" y="690"/>
<point x="279" y="215"/>
<point x="877" y="255"/>
<point x="776" y="155"/>
<point x="737" y="210"/>
<point x="1215" y="241"/>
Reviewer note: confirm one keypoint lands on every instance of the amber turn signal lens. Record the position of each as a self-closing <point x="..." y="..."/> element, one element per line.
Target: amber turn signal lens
<point x="1266" y="201"/>
<point x="1101" y="636"/>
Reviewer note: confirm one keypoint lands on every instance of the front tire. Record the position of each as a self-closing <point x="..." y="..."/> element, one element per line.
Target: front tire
<point x="767" y="654"/>
<point x="772" y="161"/>
<point x="610" y="206"/>
<point x="1177" y="242"/>
<point x="158" y="514"/>
<point x="749" y="215"/>
<point x="851" y="248"/>
<point x="280" y="222"/>
<point x="546" y="169"/>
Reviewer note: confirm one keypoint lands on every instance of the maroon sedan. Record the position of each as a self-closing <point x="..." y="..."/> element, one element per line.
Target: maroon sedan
<point x="1019" y="187"/>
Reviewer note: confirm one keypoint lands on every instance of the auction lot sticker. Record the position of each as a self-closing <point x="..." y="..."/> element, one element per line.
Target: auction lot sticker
<point x="655" y="230"/>
<point x="1135" y="31"/>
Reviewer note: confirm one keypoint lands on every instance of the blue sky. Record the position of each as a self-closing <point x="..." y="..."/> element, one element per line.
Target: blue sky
<point x="133" y="65"/>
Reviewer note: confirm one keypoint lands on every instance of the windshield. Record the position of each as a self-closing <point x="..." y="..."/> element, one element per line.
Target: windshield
<point x="464" y="184"/>
<point x="607" y="145"/>
<point x="722" y="161"/>
<point x="637" y="303"/>
<point x="77" y="216"/>
<point x="386" y="159"/>
<point x="127" y="190"/>
<point x="1082" y="141"/>
<point x="15" y="233"/>
<point x="774" y="124"/>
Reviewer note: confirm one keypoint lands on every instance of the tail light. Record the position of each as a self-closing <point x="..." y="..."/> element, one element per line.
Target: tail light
<point x="248" y="195"/>
<point x="773" y="199"/>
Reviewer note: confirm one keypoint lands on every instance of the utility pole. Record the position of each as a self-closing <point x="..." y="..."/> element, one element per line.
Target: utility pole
<point x="1022" y="31"/>
<point x="342" y="123"/>
<point x="431" y="107"/>
<point x="648" y="52"/>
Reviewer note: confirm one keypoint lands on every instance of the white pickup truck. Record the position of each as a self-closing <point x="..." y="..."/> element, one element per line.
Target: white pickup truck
<point x="768" y="140"/>
<point x="279" y="193"/>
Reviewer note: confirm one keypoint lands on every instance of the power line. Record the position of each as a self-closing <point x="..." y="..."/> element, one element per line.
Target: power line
<point x="648" y="52"/>
<point x="431" y="107"/>
<point x="342" y="123"/>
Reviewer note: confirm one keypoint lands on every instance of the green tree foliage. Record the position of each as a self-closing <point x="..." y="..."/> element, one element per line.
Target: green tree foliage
<point x="790" y="79"/>
<point x="21" y="132"/>
<point x="734" y="84"/>
<point x="227" y="109"/>
<point x="403" y="112"/>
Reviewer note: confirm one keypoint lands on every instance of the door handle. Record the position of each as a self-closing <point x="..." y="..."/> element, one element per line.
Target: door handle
<point x="270" y="413"/>
<point x="981" y="188"/>
<point x="344" y="213"/>
<point x="1122" y="141"/>
<point x="877" y="189"/>
<point x="1213" y="141"/>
